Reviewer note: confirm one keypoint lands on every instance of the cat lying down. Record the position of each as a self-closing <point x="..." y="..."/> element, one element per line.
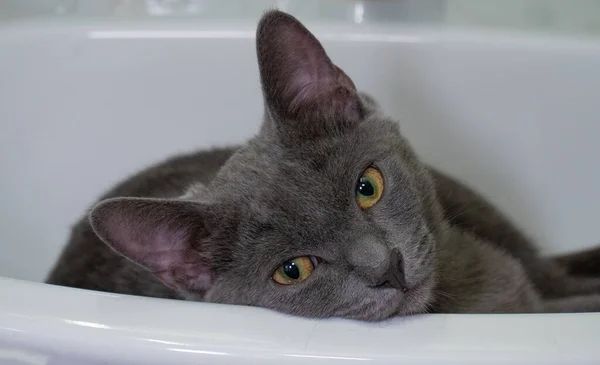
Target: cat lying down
<point x="327" y="211"/>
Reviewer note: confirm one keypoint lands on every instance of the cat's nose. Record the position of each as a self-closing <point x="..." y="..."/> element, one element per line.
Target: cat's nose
<point x="394" y="275"/>
<point x="376" y="263"/>
<point x="369" y="256"/>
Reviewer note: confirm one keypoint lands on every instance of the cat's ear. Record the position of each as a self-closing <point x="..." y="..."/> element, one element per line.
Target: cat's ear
<point x="171" y="238"/>
<point x="299" y="80"/>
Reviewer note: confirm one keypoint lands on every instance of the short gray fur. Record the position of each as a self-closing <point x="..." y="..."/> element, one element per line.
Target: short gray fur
<point x="214" y="225"/>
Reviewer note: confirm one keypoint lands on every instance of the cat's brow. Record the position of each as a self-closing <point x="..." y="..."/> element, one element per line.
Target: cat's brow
<point x="260" y="229"/>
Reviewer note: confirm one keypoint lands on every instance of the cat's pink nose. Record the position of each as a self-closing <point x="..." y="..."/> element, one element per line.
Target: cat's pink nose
<point x="394" y="276"/>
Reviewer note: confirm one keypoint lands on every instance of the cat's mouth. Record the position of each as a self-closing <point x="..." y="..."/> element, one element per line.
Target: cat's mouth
<point x="416" y="300"/>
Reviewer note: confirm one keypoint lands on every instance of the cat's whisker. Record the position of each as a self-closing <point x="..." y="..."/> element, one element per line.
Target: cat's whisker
<point x="460" y="212"/>
<point x="445" y="294"/>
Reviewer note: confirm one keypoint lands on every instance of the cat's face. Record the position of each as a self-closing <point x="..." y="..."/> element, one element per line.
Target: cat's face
<point x="327" y="212"/>
<point x="305" y="201"/>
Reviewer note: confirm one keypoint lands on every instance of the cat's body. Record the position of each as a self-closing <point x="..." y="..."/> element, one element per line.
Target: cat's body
<point x="88" y="263"/>
<point x="221" y="225"/>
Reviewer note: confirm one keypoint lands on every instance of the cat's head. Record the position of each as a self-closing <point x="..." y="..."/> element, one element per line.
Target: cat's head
<point x="326" y="212"/>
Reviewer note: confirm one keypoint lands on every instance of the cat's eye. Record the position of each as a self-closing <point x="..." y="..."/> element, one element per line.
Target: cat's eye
<point x="369" y="188"/>
<point x="294" y="271"/>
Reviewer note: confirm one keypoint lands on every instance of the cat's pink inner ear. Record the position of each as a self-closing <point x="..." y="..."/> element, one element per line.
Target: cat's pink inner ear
<point x="159" y="235"/>
<point x="297" y="75"/>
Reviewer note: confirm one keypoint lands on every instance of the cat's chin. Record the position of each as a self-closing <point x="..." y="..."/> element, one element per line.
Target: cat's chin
<point x="417" y="300"/>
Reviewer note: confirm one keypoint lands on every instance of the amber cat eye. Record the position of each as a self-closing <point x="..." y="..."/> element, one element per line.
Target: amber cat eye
<point x="369" y="188"/>
<point x="294" y="271"/>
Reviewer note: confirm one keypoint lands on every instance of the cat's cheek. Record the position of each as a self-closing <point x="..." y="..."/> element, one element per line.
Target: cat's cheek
<point x="224" y="292"/>
<point x="419" y="263"/>
<point x="418" y="300"/>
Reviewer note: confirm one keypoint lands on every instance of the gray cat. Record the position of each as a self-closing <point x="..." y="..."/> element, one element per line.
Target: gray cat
<point x="326" y="212"/>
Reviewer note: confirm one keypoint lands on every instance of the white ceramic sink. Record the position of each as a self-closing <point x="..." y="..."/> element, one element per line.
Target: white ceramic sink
<point x="87" y="100"/>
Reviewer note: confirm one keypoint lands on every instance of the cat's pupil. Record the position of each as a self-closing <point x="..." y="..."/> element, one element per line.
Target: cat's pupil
<point x="291" y="270"/>
<point x="365" y="187"/>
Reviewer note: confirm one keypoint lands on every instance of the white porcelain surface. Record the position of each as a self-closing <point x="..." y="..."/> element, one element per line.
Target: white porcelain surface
<point x="85" y="101"/>
<point x="75" y="327"/>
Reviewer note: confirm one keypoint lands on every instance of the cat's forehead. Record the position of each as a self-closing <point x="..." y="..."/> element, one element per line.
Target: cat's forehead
<point x="302" y="194"/>
<point x="270" y="173"/>
<point x="318" y="165"/>
<point x="273" y="193"/>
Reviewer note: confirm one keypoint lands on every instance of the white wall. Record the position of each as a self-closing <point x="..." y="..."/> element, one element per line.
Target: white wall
<point x="83" y="104"/>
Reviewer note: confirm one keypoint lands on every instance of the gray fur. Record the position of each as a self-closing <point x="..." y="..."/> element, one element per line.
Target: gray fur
<point x="214" y="226"/>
